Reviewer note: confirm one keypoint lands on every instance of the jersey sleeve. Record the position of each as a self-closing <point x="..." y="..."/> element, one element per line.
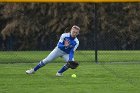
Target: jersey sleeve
<point x="71" y="55"/>
<point x="62" y="38"/>
<point x="76" y="46"/>
<point x="60" y="43"/>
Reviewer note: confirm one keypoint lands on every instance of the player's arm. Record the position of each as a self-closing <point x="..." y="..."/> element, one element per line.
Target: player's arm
<point x="60" y="43"/>
<point x="71" y="63"/>
<point x="71" y="55"/>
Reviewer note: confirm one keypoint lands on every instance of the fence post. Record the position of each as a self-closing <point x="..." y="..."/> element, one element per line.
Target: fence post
<point x="95" y="31"/>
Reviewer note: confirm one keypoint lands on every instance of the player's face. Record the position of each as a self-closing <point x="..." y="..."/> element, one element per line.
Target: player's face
<point x="74" y="32"/>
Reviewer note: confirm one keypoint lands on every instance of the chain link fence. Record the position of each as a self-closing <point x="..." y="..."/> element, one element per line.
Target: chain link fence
<point x="117" y="32"/>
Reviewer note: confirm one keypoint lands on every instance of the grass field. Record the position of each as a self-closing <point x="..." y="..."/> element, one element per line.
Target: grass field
<point x="81" y="56"/>
<point x="91" y="78"/>
<point x="104" y="77"/>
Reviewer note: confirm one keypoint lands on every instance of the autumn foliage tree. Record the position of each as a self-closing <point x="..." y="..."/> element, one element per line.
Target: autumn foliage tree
<point x="38" y="26"/>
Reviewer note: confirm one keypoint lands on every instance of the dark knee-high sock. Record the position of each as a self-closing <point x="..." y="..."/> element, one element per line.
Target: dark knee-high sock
<point x="41" y="64"/>
<point x="63" y="69"/>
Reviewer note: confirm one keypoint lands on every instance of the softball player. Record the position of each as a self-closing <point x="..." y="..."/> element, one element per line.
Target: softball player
<point x="65" y="48"/>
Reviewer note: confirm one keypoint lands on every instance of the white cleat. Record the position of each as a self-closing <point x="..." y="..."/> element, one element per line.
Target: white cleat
<point x="31" y="71"/>
<point x="59" y="74"/>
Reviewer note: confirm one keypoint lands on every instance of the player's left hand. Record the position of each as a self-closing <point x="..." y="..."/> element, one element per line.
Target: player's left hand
<point x="72" y="64"/>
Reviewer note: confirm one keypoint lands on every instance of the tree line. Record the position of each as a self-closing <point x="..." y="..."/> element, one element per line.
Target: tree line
<point x="38" y="26"/>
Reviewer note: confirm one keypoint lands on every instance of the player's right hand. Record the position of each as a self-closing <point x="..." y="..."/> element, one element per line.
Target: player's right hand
<point x="66" y="43"/>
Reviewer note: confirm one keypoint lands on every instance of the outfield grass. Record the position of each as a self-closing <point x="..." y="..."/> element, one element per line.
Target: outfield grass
<point x="81" y="56"/>
<point x="91" y="78"/>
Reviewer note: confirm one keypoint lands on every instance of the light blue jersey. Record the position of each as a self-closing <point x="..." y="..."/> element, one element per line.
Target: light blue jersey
<point x="73" y="44"/>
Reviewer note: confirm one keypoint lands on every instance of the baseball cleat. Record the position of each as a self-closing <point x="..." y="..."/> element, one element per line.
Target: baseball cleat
<point x="31" y="71"/>
<point x="59" y="74"/>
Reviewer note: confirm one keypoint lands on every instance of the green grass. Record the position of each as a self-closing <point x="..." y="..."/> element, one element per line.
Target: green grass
<point x="81" y="56"/>
<point x="119" y="56"/>
<point x="91" y="78"/>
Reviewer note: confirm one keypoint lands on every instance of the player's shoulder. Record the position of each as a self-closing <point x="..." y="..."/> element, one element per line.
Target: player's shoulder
<point x="66" y="34"/>
<point x="76" y="40"/>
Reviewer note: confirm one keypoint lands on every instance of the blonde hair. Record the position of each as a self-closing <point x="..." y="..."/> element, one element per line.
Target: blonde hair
<point x="76" y="27"/>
